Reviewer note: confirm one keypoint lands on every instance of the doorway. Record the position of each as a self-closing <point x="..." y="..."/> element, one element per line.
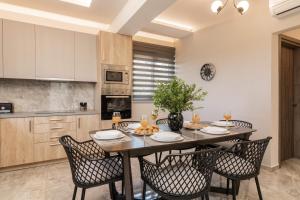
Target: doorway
<point x="289" y="98"/>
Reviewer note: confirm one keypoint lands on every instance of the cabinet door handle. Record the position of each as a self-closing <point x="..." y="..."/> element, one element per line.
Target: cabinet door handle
<point x="55" y="128"/>
<point x="55" y="144"/>
<point x="55" y="119"/>
<point x="54" y="137"/>
<point x="30" y="126"/>
<point x="79" y="123"/>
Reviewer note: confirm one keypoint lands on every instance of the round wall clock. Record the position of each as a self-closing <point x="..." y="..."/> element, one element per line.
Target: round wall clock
<point x="208" y="71"/>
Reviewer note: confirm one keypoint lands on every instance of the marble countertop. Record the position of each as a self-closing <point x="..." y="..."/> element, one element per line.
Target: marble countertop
<point x="47" y="114"/>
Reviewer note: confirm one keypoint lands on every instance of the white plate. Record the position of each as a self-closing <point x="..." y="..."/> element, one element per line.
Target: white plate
<point x="166" y="137"/>
<point x="133" y="126"/>
<point x="215" y="130"/>
<point x="108" y="135"/>
<point x="222" y="124"/>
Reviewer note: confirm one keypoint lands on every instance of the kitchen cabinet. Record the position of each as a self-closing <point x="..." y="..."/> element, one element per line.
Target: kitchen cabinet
<point x="85" y="57"/>
<point x="55" y="55"/>
<point x="115" y="49"/>
<point x="16" y="141"/>
<point x="18" y="50"/>
<point x="1" y="54"/>
<point x="85" y="124"/>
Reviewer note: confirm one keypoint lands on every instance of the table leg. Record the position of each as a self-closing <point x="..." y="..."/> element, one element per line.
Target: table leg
<point x="127" y="176"/>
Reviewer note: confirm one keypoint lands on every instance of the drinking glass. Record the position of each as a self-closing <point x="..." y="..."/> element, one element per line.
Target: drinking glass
<point x="196" y="121"/>
<point x="116" y="119"/>
<point x="154" y="115"/>
<point x="144" y="124"/>
<point x="227" y="117"/>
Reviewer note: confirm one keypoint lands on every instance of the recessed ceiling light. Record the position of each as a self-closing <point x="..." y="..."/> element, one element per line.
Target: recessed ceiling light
<point x="173" y="24"/>
<point x="85" y="3"/>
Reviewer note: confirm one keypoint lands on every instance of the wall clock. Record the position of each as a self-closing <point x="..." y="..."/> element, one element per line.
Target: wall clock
<point x="208" y="71"/>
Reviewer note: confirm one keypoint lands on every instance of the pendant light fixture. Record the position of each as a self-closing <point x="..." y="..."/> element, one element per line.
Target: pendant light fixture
<point x="241" y="5"/>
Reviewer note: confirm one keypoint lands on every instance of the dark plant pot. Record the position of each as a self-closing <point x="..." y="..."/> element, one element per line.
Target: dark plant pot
<point x="175" y="121"/>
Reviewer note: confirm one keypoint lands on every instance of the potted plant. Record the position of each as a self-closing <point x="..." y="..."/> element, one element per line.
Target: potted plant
<point x="177" y="96"/>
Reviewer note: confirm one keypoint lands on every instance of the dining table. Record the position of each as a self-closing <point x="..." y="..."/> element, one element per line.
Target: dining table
<point x="132" y="146"/>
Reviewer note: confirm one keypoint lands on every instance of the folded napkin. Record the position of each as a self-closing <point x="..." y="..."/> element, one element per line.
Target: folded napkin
<point x="212" y="129"/>
<point x="109" y="134"/>
<point x="133" y="126"/>
<point x="167" y="136"/>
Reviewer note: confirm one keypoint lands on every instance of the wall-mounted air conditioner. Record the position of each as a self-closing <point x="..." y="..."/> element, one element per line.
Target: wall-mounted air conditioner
<point x="280" y="8"/>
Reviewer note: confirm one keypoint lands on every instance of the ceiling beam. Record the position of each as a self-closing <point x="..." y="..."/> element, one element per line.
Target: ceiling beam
<point x="136" y="14"/>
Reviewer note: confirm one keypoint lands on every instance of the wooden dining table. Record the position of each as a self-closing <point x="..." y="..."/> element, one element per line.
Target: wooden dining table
<point x="133" y="146"/>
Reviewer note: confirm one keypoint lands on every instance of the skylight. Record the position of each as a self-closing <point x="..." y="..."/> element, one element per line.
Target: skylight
<point x="85" y="3"/>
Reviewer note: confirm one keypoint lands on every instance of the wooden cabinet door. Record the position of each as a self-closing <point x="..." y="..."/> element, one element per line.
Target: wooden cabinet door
<point x="85" y="57"/>
<point x="1" y="54"/>
<point x="55" y="54"/>
<point x="115" y="49"/>
<point x="86" y="123"/>
<point x="16" y="141"/>
<point x="18" y="50"/>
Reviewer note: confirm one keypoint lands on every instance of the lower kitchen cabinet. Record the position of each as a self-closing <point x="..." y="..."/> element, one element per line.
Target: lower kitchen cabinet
<point x="85" y="124"/>
<point x="16" y="141"/>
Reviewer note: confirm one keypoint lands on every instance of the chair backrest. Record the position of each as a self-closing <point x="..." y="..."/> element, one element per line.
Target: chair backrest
<point x="187" y="175"/>
<point x="250" y="151"/>
<point x="162" y="121"/>
<point x="79" y="155"/>
<point x="240" y="123"/>
<point x="124" y="124"/>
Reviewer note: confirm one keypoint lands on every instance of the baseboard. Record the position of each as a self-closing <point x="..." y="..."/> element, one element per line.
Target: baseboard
<point x="268" y="168"/>
<point x="32" y="165"/>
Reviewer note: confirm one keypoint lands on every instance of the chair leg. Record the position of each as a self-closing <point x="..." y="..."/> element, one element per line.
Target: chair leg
<point x="258" y="188"/>
<point x="202" y="197"/>
<point x="74" y="193"/>
<point x="144" y="191"/>
<point x="227" y="186"/>
<point x="206" y="196"/>
<point x="233" y="190"/>
<point x="83" y="194"/>
<point x="122" y="188"/>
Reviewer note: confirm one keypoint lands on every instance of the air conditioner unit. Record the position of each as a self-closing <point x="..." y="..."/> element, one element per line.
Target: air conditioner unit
<point x="281" y="8"/>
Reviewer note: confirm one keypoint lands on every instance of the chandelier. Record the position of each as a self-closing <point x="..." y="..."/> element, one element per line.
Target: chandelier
<point x="241" y="5"/>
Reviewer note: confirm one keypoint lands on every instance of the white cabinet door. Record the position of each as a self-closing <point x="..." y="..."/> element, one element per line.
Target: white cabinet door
<point x="1" y="61"/>
<point x="85" y="57"/>
<point x="55" y="54"/>
<point x="18" y="50"/>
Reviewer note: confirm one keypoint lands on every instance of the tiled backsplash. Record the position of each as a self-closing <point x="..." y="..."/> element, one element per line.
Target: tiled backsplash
<point x="33" y="95"/>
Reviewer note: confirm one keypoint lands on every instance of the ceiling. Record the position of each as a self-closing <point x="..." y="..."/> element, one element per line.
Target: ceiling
<point x="103" y="11"/>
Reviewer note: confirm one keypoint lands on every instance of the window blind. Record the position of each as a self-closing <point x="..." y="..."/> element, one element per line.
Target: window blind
<point x="151" y="64"/>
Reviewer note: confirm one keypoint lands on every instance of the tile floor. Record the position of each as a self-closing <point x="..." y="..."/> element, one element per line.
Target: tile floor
<point x="53" y="182"/>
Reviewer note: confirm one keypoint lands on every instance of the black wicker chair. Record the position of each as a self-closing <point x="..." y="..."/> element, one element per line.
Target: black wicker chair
<point x="242" y="161"/>
<point x="90" y="166"/>
<point x="122" y="126"/>
<point x="180" y="176"/>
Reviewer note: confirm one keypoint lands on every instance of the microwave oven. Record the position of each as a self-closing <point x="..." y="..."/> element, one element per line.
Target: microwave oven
<point x="116" y="76"/>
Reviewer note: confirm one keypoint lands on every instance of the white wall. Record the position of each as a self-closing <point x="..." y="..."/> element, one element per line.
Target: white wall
<point x="245" y="53"/>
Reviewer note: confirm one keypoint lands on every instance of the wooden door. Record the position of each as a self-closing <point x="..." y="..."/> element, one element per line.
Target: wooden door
<point x="286" y="103"/>
<point x="85" y="124"/>
<point x="115" y="49"/>
<point x="1" y="54"/>
<point x="18" y="50"/>
<point x="85" y="57"/>
<point x="16" y="141"/>
<point x="55" y="53"/>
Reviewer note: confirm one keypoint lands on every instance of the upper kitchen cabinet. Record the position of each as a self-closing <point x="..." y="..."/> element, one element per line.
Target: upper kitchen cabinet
<point x="55" y="55"/>
<point x="115" y="49"/>
<point x="18" y="50"/>
<point x="1" y="54"/>
<point x="85" y="57"/>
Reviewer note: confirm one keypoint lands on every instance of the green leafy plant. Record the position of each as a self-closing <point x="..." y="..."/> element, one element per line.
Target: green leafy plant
<point x="177" y="96"/>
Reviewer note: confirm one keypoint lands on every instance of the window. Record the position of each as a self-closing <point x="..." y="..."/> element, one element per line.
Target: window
<point x="151" y="64"/>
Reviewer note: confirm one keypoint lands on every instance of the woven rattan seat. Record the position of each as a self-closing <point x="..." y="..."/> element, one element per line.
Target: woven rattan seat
<point x="180" y="176"/>
<point x="90" y="166"/>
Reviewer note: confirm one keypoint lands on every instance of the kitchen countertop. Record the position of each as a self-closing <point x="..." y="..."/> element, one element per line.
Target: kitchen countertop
<point x="46" y="114"/>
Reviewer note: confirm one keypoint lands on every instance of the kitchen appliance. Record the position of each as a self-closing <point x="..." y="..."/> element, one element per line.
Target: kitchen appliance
<point x="6" y="108"/>
<point x="83" y="106"/>
<point x="115" y="103"/>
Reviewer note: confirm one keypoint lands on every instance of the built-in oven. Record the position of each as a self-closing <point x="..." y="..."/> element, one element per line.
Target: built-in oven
<point x="115" y="103"/>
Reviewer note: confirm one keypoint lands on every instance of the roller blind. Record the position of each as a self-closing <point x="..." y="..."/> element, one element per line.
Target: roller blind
<point x="151" y="64"/>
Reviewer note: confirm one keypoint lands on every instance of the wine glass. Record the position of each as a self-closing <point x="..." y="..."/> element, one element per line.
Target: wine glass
<point x="154" y="115"/>
<point x="227" y="117"/>
<point x="116" y="119"/>
<point x="196" y="121"/>
<point x="144" y="124"/>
